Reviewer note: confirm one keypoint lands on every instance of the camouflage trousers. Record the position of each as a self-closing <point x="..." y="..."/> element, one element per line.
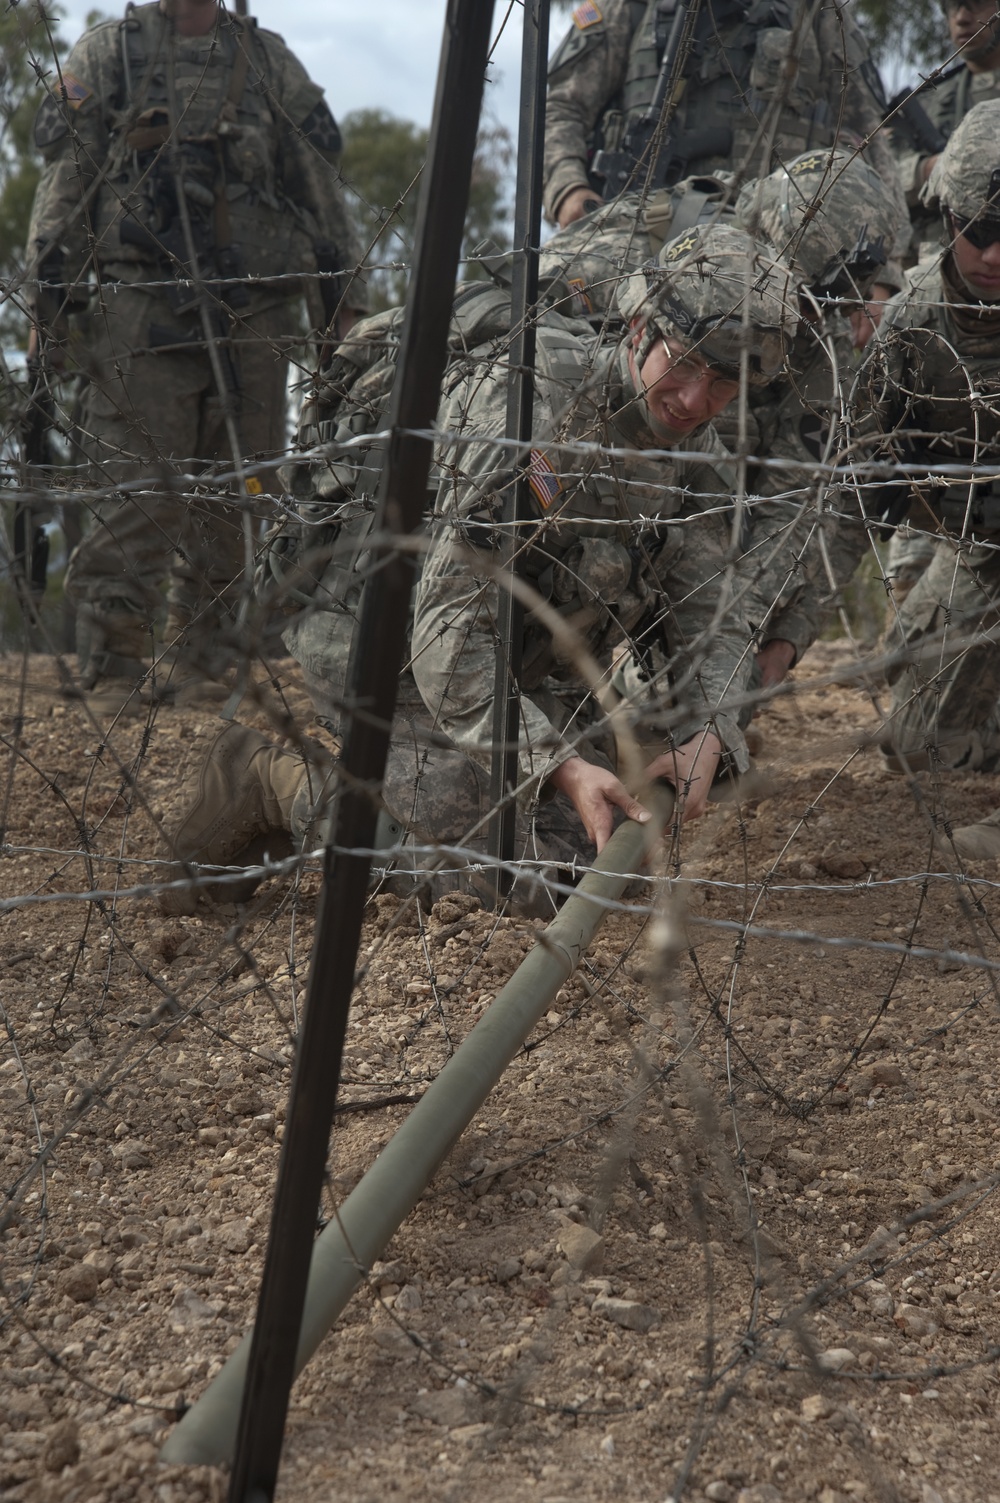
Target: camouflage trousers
<point x="946" y="686"/>
<point x="437" y="796"/>
<point x="153" y="411"/>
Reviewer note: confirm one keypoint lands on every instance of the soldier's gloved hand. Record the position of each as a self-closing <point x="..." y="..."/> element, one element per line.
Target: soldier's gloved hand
<point x="577" y="203"/>
<point x="595" y="793"/>
<point x="691" y="768"/>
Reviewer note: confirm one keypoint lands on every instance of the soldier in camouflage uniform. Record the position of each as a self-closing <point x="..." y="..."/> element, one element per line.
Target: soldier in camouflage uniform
<point x="624" y="545"/>
<point x="932" y="385"/>
<point x="741" y="107"/>
<point x="179" y="138"/>
<point x="975" y="34"/>
<point x="828" y="215"/>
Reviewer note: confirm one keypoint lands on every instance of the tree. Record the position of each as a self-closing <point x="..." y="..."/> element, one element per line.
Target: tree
<point x="913" y="36"/>
<point x="382" y="160"/>
<point x="29" y="45"/>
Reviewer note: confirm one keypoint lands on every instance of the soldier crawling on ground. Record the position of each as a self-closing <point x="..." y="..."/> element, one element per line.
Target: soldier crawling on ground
<point x="628" y="543"/>
<point x="930" y="395"/>
<point x="184" y="146"/>
<point x="760" y="84"/>
<point x="828" y="215"/>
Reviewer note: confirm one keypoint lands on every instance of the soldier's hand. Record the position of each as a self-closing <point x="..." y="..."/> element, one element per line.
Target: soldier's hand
<point x="774" y="660"/>
<point x="865" y="320"/>
<point x="577" y="203"/>
<point x="691" y="768"/>
<point x="595" y="794"/>
<point x="55" y="349"/>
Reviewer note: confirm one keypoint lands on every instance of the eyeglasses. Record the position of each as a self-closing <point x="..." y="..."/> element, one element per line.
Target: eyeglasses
<point x="691" y="368"/>
<point x="982" y="233"/>
<point x="976" y="6"/>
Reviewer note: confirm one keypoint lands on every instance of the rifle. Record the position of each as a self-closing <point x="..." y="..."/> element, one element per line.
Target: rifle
<point x="693" y="24"/>
<point x="906" y="110"/>
<point x="31" y="541"/>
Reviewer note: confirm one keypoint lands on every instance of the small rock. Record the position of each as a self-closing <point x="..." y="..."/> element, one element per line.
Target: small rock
<point x="132" y="1154"/>
<point x="245" y="1103"/>
<point x="408" y="1298"/>
<point x="836" y="1359"/>
<point x="568" y="1196"/>
<point x="914" y="1322"/>
<point x="450" y="1407"/>
<point x="507" y="1269"/>
<point x="880" y="1300"/>
<point x="80" y="1283"/>
<point x="396" y="1272"/>
<point x="189" y="1309"/>
<point x="845" y="868"/>
<point x="607" y="1447"/>
<point x="583" y="1248"/>
<point x="626" y="1312"/>
<point x="601" y="1032"/>
<point x="887" y="1075"/>
<point x="816" y="1406"/>
<point x="235" y="1236"/>
<point x="101" y="1261"/>
<point x="62" y="1447"/>
<point x="720" y="1492"/>
<point x="761" y="1492"/>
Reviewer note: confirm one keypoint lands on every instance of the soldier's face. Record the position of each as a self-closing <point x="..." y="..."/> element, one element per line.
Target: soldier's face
<point x="980" y="267"/>
<point x="970" y="34"/>
<point x="681" y="390"/>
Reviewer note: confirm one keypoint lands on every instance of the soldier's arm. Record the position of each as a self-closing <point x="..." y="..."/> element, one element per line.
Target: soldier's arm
<point x="586" y="73"/>
<point x="72" y="133"/>
<point x="705" y="630"/>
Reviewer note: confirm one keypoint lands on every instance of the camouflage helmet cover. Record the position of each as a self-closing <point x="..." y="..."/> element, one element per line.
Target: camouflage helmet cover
<point x="830" y="216"/>
<point x="719" y="291"/>
<point x="966" y="176"/>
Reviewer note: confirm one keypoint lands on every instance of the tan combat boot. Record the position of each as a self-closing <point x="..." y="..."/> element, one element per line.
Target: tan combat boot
<point x="237" y="805"/>
<point x="189" y="674"/>
<point x="113" y="646"/>
<point x="979" y="842"/>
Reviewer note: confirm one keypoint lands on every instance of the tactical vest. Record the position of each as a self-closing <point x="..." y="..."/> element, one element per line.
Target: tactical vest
<point x="226" y="145"/>
<point x="960" y="401"/>
<point x="732" y="86"/>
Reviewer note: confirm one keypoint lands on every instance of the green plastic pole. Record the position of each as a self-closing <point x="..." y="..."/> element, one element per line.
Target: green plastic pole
<point x="376" y="1208"/>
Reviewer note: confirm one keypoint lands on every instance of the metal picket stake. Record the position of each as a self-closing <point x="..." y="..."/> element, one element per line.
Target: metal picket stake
<point x="520" y="398"/>
<point x="375" y="671"/>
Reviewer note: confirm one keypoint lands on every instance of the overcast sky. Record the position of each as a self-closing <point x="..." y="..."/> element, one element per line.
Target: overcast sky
<point x="376" y="54"/>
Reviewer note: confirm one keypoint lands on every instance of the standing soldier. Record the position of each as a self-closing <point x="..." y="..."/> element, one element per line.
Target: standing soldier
<point x="760" y="83"/>
<point x="933" y="390"/>
<point x="187" y="152"/>
<point x="919" y="134"/>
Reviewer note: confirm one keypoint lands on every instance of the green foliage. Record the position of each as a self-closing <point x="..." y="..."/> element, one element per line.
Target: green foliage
<point x="29" y="44"/>
<point x="913" y="35"/>
<point x="382" y="160"/>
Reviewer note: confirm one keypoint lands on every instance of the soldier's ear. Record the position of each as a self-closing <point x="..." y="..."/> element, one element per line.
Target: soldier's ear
<point x="637" y="327"/>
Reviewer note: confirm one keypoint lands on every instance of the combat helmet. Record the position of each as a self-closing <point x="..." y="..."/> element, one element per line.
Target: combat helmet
<point x="699" y="289"/>
<point x="830" y="216"/>
<point x="965" y="179"/>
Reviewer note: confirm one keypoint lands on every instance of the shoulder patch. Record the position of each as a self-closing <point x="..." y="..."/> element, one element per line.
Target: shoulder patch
<point x="545" y="483"/>
<point x="72" y="89"/>
<point x="586" y="15"/>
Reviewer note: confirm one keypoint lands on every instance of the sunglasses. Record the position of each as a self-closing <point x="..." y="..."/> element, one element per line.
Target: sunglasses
<point x="982" y="233"/>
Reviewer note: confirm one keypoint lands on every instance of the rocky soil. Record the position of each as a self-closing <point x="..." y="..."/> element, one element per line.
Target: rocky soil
<point x="727" y="1229"/>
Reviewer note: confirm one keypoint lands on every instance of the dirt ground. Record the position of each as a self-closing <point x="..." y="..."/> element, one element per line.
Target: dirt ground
<point x="727" y="1229"/>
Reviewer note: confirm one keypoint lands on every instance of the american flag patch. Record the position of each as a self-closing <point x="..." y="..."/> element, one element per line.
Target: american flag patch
<point x="545" y="483"/>
<point x="581" y="297"/>
<point x="586" y="15"/>
<point x="76" y="92"/>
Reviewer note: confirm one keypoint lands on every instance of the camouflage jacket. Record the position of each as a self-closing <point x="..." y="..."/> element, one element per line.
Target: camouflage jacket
<point x="628" y="546"/>
<point x="929" y="393"/>
<point x="256" y="149"/>
<point x="605" y="71"/>
<point x="946" y="103"/>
